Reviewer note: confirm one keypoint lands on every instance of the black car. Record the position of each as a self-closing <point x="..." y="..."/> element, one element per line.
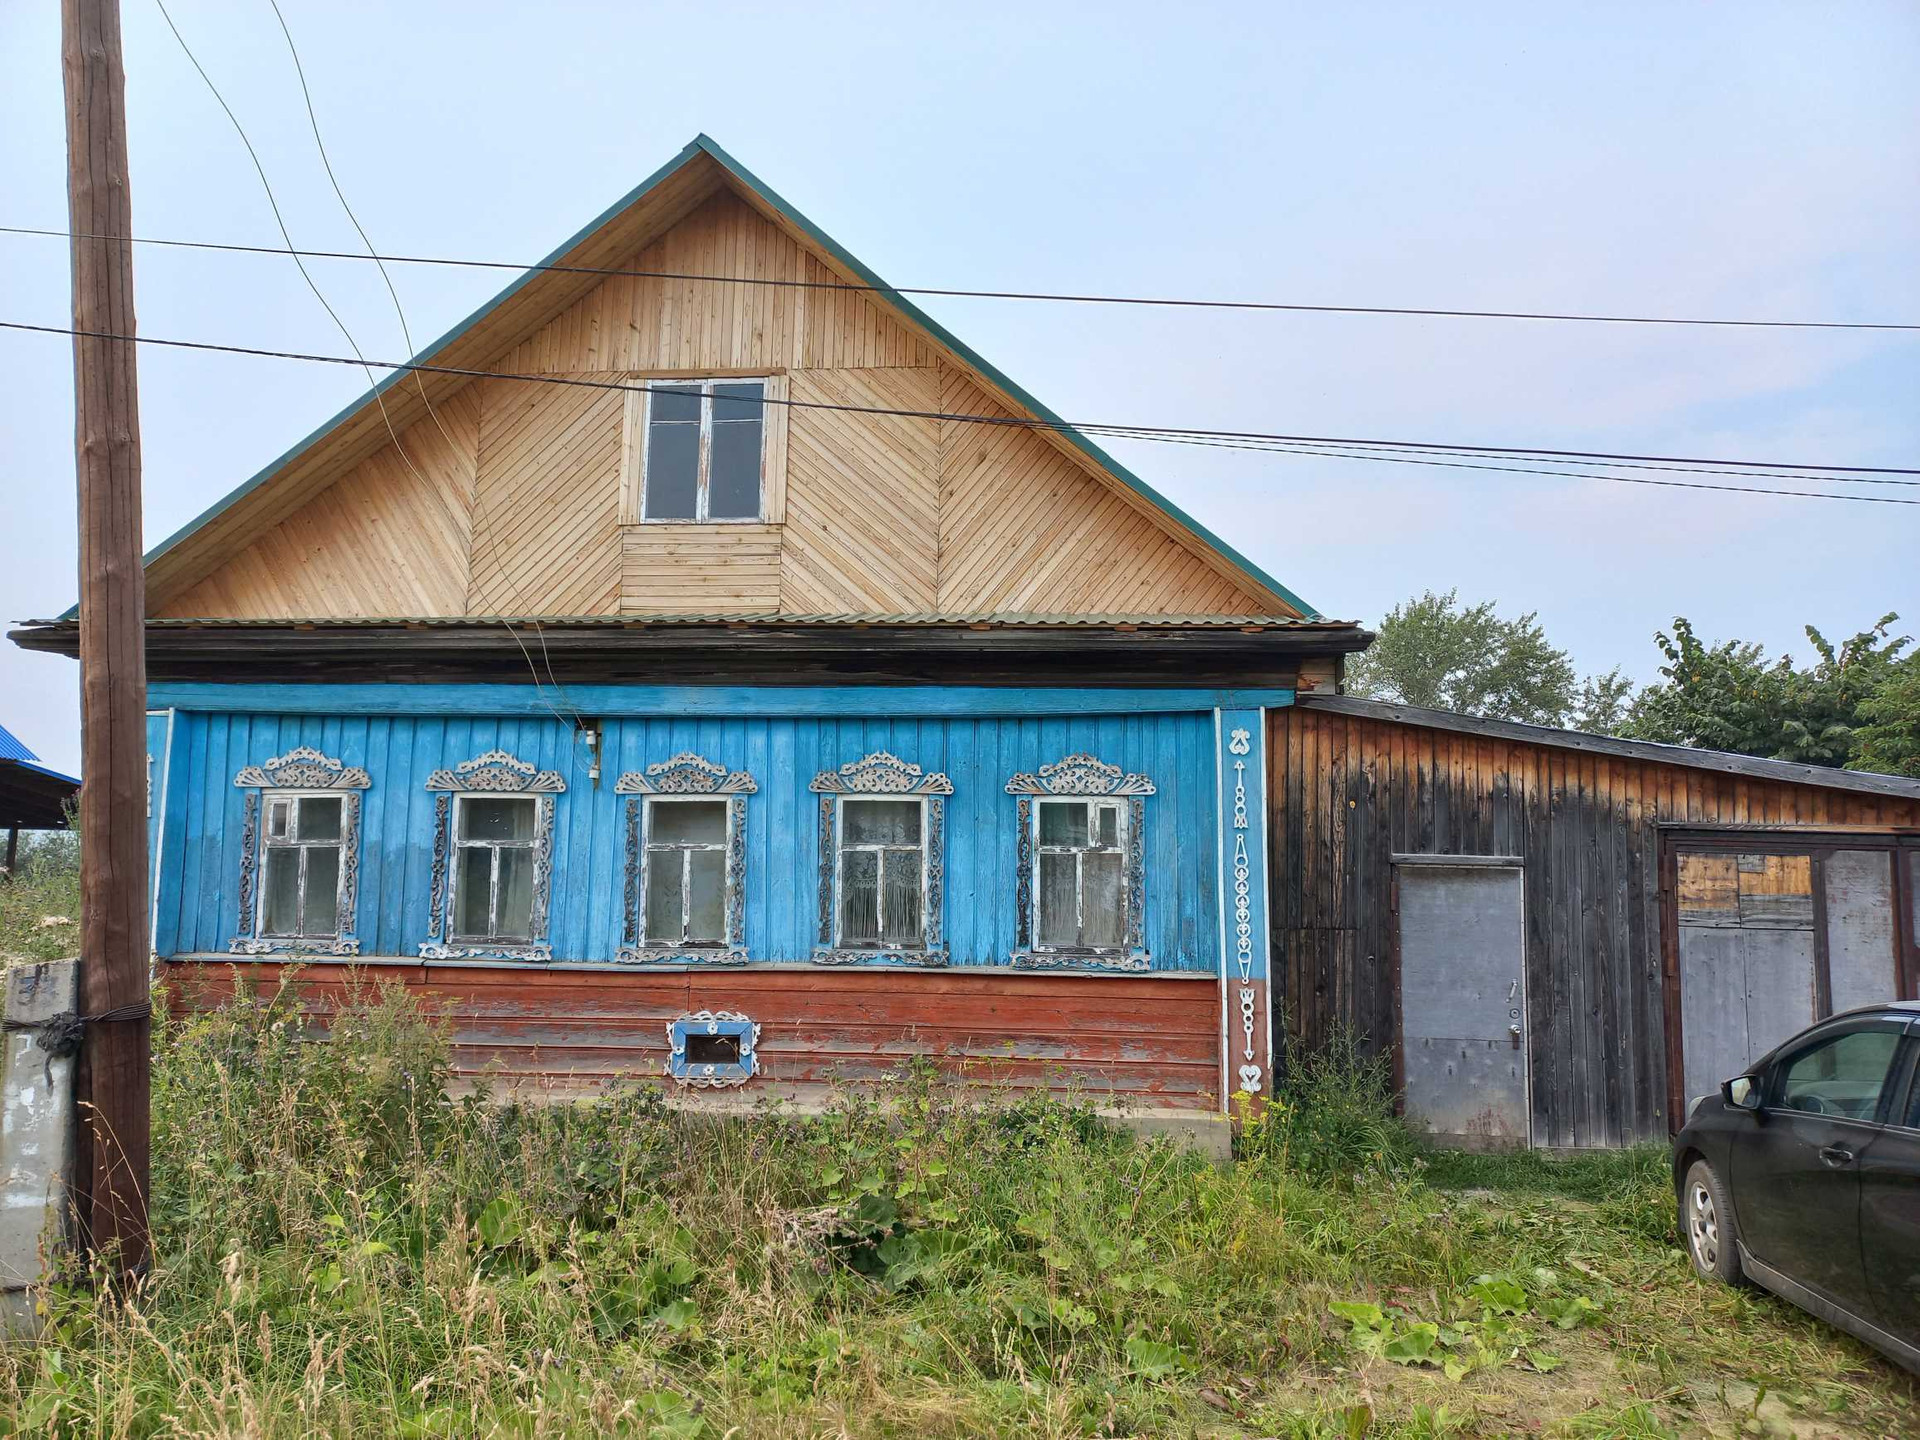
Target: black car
<point x="1803" y="1176"/>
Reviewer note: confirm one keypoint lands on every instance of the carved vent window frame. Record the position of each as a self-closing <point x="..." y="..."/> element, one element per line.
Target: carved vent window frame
<point x="684" y="777"/>
<point x="301" y="772"/>
<point x="883" y="776"/>
<point x="496" y="773"/>
<point x="1093" y="781"/>
<point x="713" y="1075"/>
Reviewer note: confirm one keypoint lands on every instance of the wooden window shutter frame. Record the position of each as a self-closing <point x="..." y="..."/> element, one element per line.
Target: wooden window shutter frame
<point x="773" y="452"/>
<point x="633" y="447"/>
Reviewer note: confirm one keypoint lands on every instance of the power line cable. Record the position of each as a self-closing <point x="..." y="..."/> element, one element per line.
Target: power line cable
<point x="1009" y="421"/>
<point x="1222" y="439"/>
<point x="952" y="292"/>
<point x="406" y="334"/>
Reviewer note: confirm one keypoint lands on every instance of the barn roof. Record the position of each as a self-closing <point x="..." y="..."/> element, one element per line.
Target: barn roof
<point x="1750" y="766"/>
<point x="651" y="208"/>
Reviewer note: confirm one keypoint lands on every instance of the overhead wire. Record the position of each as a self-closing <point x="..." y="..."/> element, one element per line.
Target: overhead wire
<point x="955" y="292"/>
<point x="419" y="381"/>
<point x="1412" y="452"/>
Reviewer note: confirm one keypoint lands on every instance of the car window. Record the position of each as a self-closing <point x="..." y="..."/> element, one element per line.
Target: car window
<point x="1842" y="1075"/>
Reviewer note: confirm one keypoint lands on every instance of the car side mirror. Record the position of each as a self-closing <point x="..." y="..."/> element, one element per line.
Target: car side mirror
<point x="1742" y="1092"/>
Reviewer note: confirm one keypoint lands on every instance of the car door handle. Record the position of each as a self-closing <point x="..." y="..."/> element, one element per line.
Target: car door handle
<point x="1836" y="1155"/>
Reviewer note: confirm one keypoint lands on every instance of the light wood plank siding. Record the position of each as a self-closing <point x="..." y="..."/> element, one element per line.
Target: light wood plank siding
<point x="388" y="538"/>
<point x="699" y="569"/>
<point x="1349" y="793"/>
<point x="869" y="513"/>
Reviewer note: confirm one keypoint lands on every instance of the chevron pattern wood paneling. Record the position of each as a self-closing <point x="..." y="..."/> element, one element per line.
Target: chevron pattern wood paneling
<point x="546" y="533"/>
<point x="1025" y="527"/>
<point x="863" y="494"/>
<point x="387" y="538"/>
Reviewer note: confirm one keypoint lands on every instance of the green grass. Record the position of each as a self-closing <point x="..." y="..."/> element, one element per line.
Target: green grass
<point x="40" y="902"/>
<point x="343" y="1249"/>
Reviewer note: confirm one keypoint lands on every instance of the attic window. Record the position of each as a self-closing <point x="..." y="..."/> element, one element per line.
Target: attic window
<point x="698" y="451"/>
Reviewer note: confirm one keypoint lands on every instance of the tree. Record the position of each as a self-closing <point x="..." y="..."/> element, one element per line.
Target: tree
<point x="1730" y="696"/>
<point x="1889" y="740"/>
<point x="1436" y="653"/>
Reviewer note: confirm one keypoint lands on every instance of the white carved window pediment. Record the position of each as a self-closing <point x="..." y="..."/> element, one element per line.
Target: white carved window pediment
<point x="300" y="855"/>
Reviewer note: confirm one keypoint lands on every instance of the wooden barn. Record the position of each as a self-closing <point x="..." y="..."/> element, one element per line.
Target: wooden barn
<point x="714" y="670"/>
<point x="1563" y="937"/>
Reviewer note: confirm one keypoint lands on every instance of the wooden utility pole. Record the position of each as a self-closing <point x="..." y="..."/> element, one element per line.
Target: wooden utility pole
<point x="111" y="1079"/>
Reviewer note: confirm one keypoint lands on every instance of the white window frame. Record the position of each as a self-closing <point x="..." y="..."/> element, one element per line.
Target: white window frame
<point x="270" y="798"/>
<point x="458" y="878"/>
<point x="1095" y="805"/>
<point x="635" y="448"/>
<point x="840" y="848"/>
<point x="722" y="847"/>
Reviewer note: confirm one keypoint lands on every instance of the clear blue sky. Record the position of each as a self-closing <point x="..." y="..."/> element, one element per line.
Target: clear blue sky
<point x="1718" y="159"/>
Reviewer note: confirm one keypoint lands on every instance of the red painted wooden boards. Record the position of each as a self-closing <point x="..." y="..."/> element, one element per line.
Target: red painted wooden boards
<point x="1150" y="1039"/>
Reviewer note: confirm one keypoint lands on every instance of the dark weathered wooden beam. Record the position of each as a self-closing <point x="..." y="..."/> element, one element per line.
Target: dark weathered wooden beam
<point x="764" y="653"/>
<point x="111" y="1078"/>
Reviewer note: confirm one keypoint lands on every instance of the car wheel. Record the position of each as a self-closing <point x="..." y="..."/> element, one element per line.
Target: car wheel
<point x="1706" y="1222"/>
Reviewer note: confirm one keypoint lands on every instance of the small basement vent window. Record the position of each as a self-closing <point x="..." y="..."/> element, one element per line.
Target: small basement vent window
<point x="713" y="1048"/>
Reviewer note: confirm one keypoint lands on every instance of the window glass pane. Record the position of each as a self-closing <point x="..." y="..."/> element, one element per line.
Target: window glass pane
<point x="319" y="817"/>
<point x="514" y="919"/>
<point x="860" y="898"/>
<point x="1059" y="925"/>
<point x="322" y="914"/>
<point x="733" y="473"/>
<point x="1841" y="1077"/>
<point x="663" y="895"/>
<point x="1103" y="919"/>
<point x="1106" y="825"/>
<point x="473" y="880"/>
<point x="278" y="813"/>
<point x="674" y="404"/>
<point x="738" y="402"/>
<point x="280" y="892"/>
<point x="880" y="822"/>
<point x="673" y="471"/>
<point x="687" y="822"/>
<point x="900" y="917"/>
<point x="707" y="884"/>
<point x="496" y="820"/>
<point x="1063" y="822"/>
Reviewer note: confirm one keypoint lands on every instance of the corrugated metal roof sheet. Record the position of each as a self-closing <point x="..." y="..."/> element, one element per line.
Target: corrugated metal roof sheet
<point x="12" y="749"/>
<point x="991" y="620"/>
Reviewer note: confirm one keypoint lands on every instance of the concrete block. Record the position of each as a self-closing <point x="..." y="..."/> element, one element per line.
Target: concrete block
<point x="36" y="1137"/>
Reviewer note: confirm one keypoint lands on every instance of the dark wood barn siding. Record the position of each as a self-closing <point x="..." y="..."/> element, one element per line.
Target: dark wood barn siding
<point x="1152" y="1040"/>
<point x="1349" y="793"/>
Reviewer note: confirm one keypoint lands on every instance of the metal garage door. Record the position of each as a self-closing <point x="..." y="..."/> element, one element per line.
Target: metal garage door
<point x="1463" y="998"/>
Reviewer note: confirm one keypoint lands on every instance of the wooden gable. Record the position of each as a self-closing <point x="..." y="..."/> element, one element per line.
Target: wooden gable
<point x="508" y="497"/>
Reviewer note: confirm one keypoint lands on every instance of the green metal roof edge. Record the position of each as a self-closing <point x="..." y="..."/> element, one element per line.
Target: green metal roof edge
<point x="974" y="358"/>
<point x="704" y="144"/>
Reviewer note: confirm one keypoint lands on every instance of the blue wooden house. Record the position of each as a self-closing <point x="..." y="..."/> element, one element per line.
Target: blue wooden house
<point x="712" y="668"/>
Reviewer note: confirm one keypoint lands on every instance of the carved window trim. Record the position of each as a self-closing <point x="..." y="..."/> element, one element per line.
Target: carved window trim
<point x="301" y="771"/>
<point x="685" y="776"/>
<point x="1081" y="777"/>
<point x="713" y="1022"/>
<point x="883" y="776"/>
<point x="494" y="773"/>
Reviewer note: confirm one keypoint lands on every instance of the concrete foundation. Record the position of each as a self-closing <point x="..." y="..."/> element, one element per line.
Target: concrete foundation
<point x="36" y="1138"/>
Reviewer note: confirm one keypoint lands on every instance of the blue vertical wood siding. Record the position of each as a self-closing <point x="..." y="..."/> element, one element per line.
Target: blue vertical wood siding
<point x="200" y="863"/>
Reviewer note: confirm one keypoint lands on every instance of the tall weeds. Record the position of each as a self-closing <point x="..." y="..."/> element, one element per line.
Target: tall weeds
<point x="341" y="1248"/>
